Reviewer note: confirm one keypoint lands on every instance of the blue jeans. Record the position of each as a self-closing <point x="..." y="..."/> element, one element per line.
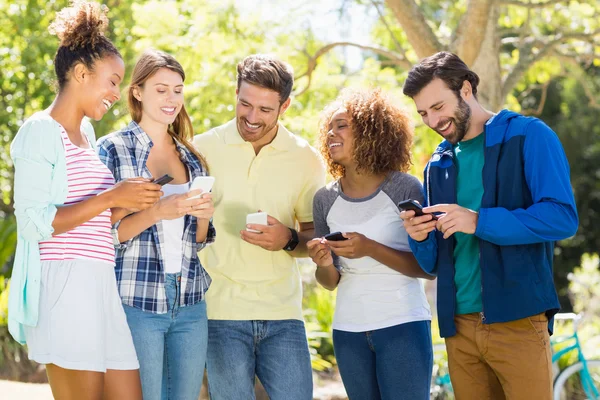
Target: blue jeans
<point x="388" y="363"/>
<point x="171" y="347"/>
<point x="275" y="351"/>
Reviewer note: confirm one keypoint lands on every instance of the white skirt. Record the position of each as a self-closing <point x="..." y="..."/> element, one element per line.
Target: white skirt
<point x="81" y="324"/>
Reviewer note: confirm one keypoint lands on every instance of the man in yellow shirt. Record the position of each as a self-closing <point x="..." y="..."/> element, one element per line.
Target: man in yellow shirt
<point x="255" y="300"/>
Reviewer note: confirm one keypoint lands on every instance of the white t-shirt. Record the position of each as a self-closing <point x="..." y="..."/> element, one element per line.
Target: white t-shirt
<point x="372" y="295"/>
<point x="173" y="233"/>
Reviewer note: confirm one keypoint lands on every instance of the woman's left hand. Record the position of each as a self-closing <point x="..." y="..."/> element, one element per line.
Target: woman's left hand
<point x="356" y="246"/>
<point x="202" y="208"/>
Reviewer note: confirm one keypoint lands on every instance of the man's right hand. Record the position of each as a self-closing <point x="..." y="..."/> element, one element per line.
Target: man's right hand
<point x="418" y="228"/>
<point x="135" y="194"/>
<point x="319" y="252"/>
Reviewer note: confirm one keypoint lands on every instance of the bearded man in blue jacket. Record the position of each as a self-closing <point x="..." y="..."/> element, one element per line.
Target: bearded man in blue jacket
<point x="500" y="188"/>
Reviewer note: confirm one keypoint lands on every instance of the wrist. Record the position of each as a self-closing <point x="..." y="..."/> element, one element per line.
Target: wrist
<point x="154" y="214"/>
<point x="370" y="247"/>
<point x="109" y="199"/>
<point x="293" y="240"/>
<point x="328" y="266"/>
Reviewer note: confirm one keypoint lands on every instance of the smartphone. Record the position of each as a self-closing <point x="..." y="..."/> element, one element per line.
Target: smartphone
<point x="335" y="237"/>
<point x="163" y="180"/>
<point x="205" y="183"/>
<point x="413" y="205"/>
<point x="259" y="218"/>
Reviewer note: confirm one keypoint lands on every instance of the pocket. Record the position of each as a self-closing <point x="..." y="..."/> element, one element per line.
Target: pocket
<point x="57" y="280"/>
<point x="539" y="325"/>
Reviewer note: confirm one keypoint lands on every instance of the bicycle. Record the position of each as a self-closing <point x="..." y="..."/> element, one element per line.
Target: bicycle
<point x="577" y="381"/>
<point x="580" y="380"/>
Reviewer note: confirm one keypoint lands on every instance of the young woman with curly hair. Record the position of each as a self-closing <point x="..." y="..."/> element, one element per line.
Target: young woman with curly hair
<point x="64" y="302"/>
<point x="381" y="327"/>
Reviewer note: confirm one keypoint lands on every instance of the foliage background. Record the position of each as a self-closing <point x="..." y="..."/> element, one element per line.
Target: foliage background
<point x="209" y="38"/>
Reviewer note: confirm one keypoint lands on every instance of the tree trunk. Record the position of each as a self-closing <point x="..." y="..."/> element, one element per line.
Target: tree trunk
<point x="487" y="65"/>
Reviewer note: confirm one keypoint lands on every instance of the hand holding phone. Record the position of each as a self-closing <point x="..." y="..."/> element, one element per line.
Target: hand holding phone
<point x="259" y="218"/>
<point x="413" y="205"/>
<point x="335" y="237"/>
<point x="163" y="180"/>
<point x="204" y="183"/>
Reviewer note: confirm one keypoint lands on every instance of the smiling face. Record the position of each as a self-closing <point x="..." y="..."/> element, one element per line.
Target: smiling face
<point x="257" y="112"/>
<point x="444" y="111"/>
<point x="340" y="138"/>
<point x="101" y="86"/>
<point x="161" y="97"/>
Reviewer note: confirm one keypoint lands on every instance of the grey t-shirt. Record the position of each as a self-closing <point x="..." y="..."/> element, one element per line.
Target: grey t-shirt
<point x="372" y="295"/>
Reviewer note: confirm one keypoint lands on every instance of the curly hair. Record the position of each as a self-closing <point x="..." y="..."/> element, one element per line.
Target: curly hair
<point x="383" y="133"/>
<point x="80" y="29"/>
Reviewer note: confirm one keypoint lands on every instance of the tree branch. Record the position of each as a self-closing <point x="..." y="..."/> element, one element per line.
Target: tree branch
<point x="394" y="58"/>
<point x="419" y="34"/>
<point x="471" y="30"/>
<point x="580" y="77"/>
<point x="538" y="111"/>
<point x="528" y="57"/>
<point x="397" y="44"/>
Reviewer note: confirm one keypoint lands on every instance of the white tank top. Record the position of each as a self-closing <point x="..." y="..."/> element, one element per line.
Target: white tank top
<point x="173" y="233"/>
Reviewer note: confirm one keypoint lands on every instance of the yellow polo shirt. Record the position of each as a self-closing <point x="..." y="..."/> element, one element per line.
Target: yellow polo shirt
<point x="248" y="282"/>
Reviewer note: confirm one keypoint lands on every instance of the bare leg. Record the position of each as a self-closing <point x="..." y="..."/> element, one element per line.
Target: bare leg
<point x="122" y="385"/>
<point x="69" y="384"/>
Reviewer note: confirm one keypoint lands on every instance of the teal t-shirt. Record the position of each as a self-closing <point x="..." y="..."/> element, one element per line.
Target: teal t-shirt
<point x="469" y="190"/>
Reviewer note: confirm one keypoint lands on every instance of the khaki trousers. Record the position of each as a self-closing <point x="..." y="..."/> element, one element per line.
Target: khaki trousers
<point x="506" y="360"/>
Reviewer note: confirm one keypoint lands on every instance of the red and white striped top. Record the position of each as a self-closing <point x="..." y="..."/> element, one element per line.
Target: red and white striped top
<point x="87" y="176"/>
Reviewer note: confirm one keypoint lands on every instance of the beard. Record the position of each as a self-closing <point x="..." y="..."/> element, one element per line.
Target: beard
<point x="255" y="136"/>
<point x="461" y="122"/>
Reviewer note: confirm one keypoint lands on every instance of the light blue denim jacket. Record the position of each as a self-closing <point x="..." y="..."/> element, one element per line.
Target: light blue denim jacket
<point x="40" y="187"/>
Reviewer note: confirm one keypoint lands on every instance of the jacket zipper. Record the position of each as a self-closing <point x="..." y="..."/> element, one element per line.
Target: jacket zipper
<point x="480" y="268"/>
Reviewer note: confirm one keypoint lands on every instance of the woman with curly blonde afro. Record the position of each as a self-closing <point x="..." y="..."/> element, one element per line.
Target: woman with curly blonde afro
<point x="64" y="302"/>
<point x="382" y="321"/>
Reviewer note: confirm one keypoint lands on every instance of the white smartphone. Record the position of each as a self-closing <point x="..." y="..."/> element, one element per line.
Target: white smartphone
<point x="202" y="182"/>
<point x="259" y="218"/>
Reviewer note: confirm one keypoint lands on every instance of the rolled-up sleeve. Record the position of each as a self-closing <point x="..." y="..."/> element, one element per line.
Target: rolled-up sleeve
<point x="34" y="154"/>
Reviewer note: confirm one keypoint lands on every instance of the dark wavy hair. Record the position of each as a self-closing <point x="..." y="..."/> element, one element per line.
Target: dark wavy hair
<point x="80" y="29"/>
<point x="383" y="133"/>
<point x="445" y="66"/>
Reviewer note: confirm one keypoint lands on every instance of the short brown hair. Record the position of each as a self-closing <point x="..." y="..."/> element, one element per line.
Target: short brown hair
<point x="382" y="131"/>
<point x="443" y="65"/>
<point x="267" y="72"/>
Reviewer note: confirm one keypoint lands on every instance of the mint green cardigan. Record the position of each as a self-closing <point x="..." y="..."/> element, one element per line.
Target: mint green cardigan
<point x="40" y="187"/>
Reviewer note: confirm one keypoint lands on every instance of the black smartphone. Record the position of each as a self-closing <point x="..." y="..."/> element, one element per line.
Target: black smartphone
<point x="335" y="237"/>
<point x="163" y="180"/>
<point x="413" y="205"/>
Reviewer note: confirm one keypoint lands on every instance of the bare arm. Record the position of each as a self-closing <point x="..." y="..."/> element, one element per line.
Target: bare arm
<point x="326" y="274"/>
<point x="305" y="234"/>
<point x="136" y="223"/>
<point x="401" y="261"/>
<point x="71" y="216"/>
<point x="133" y="193"/>
<point x="358" y="245"/>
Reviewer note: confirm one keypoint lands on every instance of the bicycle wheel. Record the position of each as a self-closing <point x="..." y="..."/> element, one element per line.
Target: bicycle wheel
<point x="569" y="386"/>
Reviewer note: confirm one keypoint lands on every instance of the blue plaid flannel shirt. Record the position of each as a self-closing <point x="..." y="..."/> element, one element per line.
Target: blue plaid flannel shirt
<point x="139" y="262"/>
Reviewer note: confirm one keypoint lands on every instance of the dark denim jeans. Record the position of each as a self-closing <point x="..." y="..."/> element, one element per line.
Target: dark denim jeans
<point x="392" y="363"/>
<point x="275" y="351"/>
<point x="171" y="347"/>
